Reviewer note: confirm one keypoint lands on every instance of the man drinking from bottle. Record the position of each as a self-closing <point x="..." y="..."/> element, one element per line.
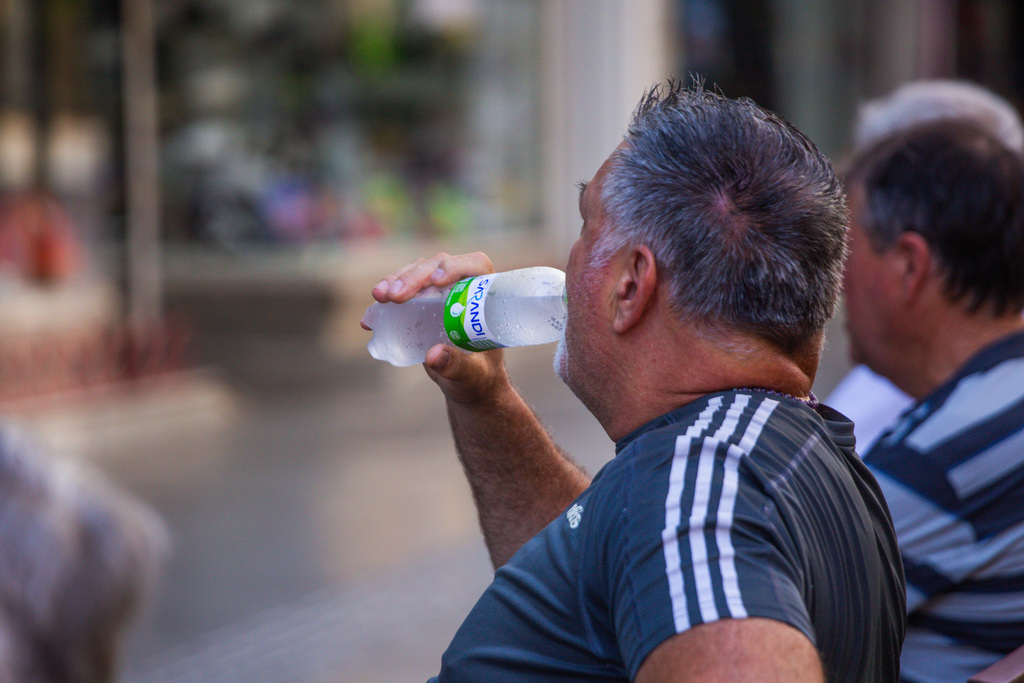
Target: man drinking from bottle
<point x="736" y="535"/>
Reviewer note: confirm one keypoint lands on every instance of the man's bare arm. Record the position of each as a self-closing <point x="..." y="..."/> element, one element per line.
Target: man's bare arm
<point x="734" y="651"/>
<point x="519" y="478"/>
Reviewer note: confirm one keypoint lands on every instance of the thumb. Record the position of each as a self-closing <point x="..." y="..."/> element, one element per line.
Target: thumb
<point x="444" y="362"/>
<point x="438" y="358"/>
<point x="464" y="377"/>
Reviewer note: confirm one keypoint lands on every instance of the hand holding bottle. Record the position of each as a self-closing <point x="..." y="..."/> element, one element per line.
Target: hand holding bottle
<point x="463" y="377"/>
<point x="440" y="270"/>
<point x="515" y="308"/>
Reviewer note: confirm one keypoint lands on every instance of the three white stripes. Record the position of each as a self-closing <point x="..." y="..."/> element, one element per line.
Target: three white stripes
<point x="696" y="539"/>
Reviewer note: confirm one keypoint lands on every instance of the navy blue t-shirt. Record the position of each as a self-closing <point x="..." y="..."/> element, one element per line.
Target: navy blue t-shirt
<point x="738" y="504"/>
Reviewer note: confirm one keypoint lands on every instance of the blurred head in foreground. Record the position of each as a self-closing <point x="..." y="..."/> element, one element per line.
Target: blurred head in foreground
<point x="77" y="559"/>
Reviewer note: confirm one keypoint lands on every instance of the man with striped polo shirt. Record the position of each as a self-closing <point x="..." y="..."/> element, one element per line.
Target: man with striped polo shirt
<point x="872" y="401"/>
<point x="736" y="535"/>
<point x="934" y="291"/>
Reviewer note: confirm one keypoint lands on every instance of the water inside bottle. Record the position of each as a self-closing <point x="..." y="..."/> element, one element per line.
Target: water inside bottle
<point x="403" y="333"/>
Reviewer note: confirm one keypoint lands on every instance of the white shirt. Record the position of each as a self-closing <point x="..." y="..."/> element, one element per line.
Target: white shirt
<point x="871" y="401"/>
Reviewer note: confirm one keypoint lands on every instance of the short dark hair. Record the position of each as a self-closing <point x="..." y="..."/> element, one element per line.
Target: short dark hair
<point x="745" y="216"/>
<point x="960" y="188"/>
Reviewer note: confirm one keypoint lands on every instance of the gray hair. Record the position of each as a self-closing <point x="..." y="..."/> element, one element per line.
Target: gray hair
<point x="929" y="101"/>
<point x="744" y="215"/>
<point x="77" y="557"/>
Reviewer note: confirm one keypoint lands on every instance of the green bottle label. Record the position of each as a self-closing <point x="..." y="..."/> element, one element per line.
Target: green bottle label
<point x="465" y="322"/>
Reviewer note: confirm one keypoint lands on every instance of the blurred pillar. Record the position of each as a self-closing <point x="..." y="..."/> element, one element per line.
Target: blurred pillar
<point x="817" y="61"/>
<point x="936" y="53"/>
<point x="17" y="55"/>
<point x="19" y="137"/>
<point x="891" y="43"/>
<point x="600" y="56"/>
<point x="142" y="183"/>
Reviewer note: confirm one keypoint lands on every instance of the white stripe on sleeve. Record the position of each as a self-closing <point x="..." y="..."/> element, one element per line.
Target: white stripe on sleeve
<point x="705" y="572"/>
<point x="673" y="514"/>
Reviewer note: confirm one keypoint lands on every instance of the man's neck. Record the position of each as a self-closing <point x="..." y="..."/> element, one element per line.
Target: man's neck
<point x="692" y="366"/>
<point x="953" y="340"/>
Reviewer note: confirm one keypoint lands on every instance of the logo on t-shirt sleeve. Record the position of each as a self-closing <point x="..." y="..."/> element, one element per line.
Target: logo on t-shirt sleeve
<point x="574" y="515"/>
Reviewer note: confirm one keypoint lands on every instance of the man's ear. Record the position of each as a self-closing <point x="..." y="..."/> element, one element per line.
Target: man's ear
<point x="915" y="263"/>
<point x="635" y="288"/>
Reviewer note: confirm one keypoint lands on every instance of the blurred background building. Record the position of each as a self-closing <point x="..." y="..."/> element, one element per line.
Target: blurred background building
<point x="188" y="185"/>
<point x="150" y="149"/>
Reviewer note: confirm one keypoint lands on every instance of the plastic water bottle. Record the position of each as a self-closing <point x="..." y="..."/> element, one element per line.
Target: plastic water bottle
<point x="515" y="308"/>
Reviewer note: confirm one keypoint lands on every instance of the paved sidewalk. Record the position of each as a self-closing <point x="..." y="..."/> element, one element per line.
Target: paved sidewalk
<point x="390" y="628"/>
<point x="321" y="534"/>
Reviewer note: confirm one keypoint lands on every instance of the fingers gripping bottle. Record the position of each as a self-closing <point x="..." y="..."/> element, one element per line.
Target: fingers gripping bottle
<point x="515" y="308"/>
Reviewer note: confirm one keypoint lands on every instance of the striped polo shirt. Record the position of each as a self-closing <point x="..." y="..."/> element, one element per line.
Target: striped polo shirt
<point x="952" y="471"/>
<point x="740" y="504"/>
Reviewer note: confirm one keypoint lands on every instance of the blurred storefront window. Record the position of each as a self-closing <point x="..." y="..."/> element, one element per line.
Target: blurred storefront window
<point x="289" y="122"/>
<point x="729" y="44"/>
<point x="814" y="61"/>
<point x="990" y="45"/>
<point x="296" y="123"/>
<point x="341" y="120"/>
<point x="58" y="117"/>
<point x="285" y="125"/>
